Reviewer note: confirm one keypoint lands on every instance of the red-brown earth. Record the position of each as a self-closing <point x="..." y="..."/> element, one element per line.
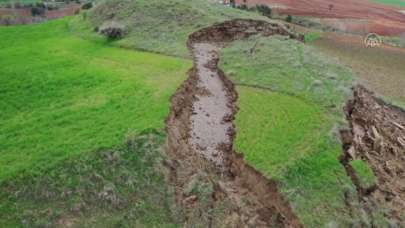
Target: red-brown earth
<point x="352" y="15"/>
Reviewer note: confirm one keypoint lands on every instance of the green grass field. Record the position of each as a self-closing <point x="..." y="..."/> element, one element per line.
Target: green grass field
<point x="68" y="99"/>
<point x="391" y="2"/>
<point x="62" y="96"/>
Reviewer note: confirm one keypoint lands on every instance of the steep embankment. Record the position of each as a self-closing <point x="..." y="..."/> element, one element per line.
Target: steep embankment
<point x="377" y="136"/>
<point x="200" y="135"/>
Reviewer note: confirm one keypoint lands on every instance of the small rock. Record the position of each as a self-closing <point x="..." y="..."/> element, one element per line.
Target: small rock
<point x="190" y="200"/>
<point x="317" y="83"/>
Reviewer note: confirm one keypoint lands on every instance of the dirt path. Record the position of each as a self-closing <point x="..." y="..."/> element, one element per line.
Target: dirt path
<point x="212" y="184"/>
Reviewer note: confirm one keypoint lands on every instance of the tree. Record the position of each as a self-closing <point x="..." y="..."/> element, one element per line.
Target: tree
<point x="113" y="30"/>
<point x="264" y="10"/>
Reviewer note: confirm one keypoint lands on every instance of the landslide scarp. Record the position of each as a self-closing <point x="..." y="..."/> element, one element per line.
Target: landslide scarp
<point x="212" y="184"/>
<point x="377" y="137"/>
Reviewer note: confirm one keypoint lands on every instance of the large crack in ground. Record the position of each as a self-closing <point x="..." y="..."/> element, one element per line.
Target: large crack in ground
<point x="213" y="186"/>
<point x="377" y="136"/>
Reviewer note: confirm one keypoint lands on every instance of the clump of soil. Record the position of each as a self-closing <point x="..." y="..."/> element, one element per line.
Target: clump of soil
<point x="377" y="136"/>
<point x="212" y="184"/>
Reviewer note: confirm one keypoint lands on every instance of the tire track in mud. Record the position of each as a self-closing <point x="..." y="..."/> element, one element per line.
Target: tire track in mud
<point x="200" y="141"/>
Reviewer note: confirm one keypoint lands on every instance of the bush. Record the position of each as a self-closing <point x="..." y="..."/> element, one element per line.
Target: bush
<point x="112" y="30"/>
<point x="7" y="20"/>
<point x="264" y="10"/>
<point x="52" y="6"/>
<point x="243" y="7"/>
<point x="37" y="11"/>
<point x="232" y="3"/>
<point x="87" y="6"/>
<point x="289" y="18"/>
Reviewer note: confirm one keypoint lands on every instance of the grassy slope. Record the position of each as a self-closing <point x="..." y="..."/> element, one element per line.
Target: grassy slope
<point x="158" y="26"/>
<point x="162" y="27"/>
<point x="61" y="95"/>
<point x="62" y="98"/>
<point x="118" y="187"/>
<point x="285" y="130"/>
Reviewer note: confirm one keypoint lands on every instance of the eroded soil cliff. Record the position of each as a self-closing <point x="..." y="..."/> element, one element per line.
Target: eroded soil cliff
<point x="377" y="136"/>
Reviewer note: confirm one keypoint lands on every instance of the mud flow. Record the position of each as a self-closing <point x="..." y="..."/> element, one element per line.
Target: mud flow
<point x="377" y="136"/>
<point x="212" y="185"/>
<point x="209" y="128"/>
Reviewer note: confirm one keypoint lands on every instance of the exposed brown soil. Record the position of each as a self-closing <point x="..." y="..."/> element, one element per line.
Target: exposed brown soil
<point x="200" y="142"/>
<point x="20" y="16"/>
<point x="365" y="15"/>
<point x="377" y="136"/>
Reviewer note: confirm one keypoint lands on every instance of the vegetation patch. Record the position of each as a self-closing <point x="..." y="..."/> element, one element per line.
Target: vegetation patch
<point x="311" y="36"/>
<point x="120" y="187"/>
<point x="290" y="129"/>
<point x="364" y="173"/>
<point x="391" y="2"/>
<point x="62" y="95"/>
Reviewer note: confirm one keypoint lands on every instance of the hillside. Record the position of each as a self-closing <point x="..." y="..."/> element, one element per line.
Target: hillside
<point x="66" y="104"/>
<point x="286" y="86"/>
<point x="102" y="132"/>
<point x="157" y="26"/>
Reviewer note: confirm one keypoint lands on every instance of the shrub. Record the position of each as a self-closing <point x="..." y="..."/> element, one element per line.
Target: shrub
<point x="243" y="7"/>
<point x="37" y="11"/>
<point x="264" y="10"/>
<point x="7" y="20"/>
<point x="112" y="30"/>
<point x="232" y="3"/>
<point x="87" y="5"/>
<point x="52" y="6"/>
<point x="40" y="5"/>
<point x="289" y="18"/>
